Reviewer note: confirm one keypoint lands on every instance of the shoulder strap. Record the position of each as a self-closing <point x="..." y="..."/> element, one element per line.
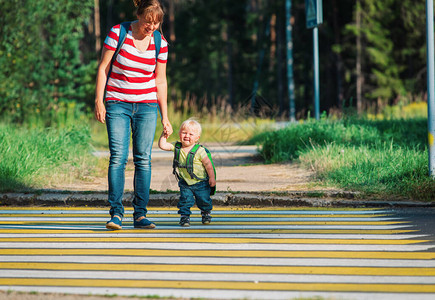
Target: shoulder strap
<point x="189" y="161"/>
<point x="122" y="35"/>
<point x="123" y="29"/>
<point x="157" y="42"/>
<point x="211" y="160"/>
<point x="176" y="160"/>
<point x="177" y="154"/>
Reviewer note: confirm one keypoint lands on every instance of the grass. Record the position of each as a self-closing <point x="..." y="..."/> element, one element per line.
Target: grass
<point x="382" y="158"/>
<point x="33" y="158"/>
<point x="220" y="123"/>
<point x="230" y="131"/>
<point x="379" y="155"/>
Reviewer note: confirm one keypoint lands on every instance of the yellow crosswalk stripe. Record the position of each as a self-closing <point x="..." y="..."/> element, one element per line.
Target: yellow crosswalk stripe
<point x="331" y="270"/>
<point x="225" y="253"/>
<point x="240" y="240"/>
<point x="191" y="230"/>
<point x="166" y="208"/>
<point x="218" y="223"/>
<point x="230" y="285"/>
<point x="272" y="286"/>
<point x="48" y="214"/>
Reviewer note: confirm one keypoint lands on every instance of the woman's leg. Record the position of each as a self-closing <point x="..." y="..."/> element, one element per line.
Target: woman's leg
<point x="118" y="130"/>
<point x="143" y="131"/>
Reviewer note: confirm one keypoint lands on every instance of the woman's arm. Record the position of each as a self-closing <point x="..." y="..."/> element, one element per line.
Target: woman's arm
<point x="103" y="70"/>
<point x="162" y="97"/>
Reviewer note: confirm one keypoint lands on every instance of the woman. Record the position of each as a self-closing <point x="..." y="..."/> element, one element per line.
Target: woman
<point x="133" y="91"/>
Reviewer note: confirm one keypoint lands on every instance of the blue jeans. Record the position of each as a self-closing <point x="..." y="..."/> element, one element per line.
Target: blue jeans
<point x="189" y="193"/>
<point x="141" y="118"/>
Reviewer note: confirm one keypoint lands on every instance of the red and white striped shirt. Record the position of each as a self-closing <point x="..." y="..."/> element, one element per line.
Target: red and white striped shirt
<point x="133" y="78"/>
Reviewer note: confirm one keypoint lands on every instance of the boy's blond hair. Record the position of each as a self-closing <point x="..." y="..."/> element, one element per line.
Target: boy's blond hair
<point x="193" y="124"/>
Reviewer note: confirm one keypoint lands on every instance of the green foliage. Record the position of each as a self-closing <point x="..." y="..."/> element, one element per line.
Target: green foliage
<point x="385" y="169"/>
<point x="381" y="70"/>
<point x="40" y="54"/>
<point x="387" y="156"/>
<point x="288" y="143"/>
<point x="30" y="157"/>
<point x="393" y="48"/>
<point x="48" y="59"/>
<point x="211" y="35"/>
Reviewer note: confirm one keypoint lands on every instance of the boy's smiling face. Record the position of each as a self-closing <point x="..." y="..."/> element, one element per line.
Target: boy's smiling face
<point x="189" y="136"/>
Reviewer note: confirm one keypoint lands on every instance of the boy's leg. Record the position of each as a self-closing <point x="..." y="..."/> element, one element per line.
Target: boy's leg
<point x="186" y="200"/>
<point x="203" y="200"/>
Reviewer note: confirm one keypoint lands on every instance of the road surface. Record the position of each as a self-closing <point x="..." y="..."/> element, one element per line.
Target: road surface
<point x="268" y="253"/>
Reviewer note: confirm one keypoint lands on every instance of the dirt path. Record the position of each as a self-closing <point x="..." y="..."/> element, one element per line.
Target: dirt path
<point x="238" y="168"/>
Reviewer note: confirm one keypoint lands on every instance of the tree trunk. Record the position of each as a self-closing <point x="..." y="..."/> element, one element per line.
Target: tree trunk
<point x="109" y="15"/>
<point x="280" y="42"/>
<point x="172" y="39"/>
<point x="172" y="3"/>
<point x="359" y="74"/>
<point x="230" y="65"/>
<point x="338" y="58"/>
<point x="97" y="28"/>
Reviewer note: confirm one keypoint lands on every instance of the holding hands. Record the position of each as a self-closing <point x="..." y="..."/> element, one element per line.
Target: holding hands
<point x="167" y="128"/>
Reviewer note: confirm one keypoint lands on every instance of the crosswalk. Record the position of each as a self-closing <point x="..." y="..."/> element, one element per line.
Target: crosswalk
<point x="245" y="253"/>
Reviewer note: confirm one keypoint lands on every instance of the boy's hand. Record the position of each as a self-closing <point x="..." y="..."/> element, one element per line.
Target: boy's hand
<point x="212" y="183"/>
<point x="212" y="190"/>
<point x="163" y="144"/>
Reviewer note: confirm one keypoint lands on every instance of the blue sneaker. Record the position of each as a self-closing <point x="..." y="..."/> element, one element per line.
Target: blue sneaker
<point x="185" y="221"/>
<point x="144" y="223"/>
<point x="114" y="224"/>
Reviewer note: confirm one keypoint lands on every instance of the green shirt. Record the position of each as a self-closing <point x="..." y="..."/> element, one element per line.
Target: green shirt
<point x="198" y="167"/>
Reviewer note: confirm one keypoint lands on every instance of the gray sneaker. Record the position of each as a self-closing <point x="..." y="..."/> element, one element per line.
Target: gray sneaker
<point x="206" y="217"/>
<point x="185" y="221"/>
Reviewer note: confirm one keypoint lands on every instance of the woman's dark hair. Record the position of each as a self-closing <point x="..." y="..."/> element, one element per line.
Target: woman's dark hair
<point x="150" y="7"/>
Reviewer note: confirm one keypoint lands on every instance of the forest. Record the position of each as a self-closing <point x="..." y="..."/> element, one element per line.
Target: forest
<point x="372" y="54"/>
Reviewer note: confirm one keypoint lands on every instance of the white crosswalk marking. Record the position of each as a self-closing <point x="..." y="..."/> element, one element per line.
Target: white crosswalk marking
<point x="245" y="253"/>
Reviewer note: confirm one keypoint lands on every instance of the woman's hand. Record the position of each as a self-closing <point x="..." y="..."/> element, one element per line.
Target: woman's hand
<point x="103" y="70"/>
<point x="100" y="111"/>
<point x="167" y="128"/>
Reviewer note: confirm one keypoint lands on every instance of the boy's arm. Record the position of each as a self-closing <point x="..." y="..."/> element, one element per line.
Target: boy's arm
<point x="163" y="143"/>
<point x="209" y="168"/>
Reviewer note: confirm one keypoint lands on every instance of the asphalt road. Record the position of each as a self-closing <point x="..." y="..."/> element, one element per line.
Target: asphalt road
<point x="268" y="253"/>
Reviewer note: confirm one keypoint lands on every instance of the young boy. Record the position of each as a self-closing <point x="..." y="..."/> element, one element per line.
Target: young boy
<point x="194" y="187"/>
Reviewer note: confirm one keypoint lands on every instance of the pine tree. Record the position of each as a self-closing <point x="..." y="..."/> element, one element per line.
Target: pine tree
<point x="381" y="70"/>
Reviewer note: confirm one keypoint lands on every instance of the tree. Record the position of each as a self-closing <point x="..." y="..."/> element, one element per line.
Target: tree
<point x="378" y="69"/>
<point x="41" y="62"/>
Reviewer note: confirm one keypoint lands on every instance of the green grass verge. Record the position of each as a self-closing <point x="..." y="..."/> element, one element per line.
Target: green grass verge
<point x="31" y="158"/>
<point x="387" y="158"/>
